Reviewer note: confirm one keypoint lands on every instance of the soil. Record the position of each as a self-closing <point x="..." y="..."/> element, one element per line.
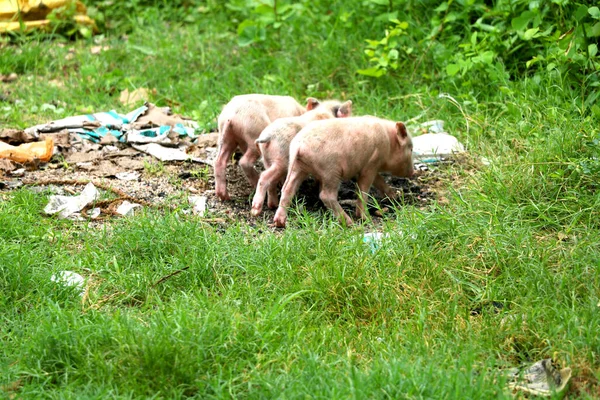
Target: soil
<point x="169" y="184"/>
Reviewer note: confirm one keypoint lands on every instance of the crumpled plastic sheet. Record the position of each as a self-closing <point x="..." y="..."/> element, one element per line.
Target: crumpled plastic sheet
<point x="122" y="126"/>
<point x="165" y="153"/>
<point x="541" y="379"/>
<point x="71" y="279"/>
<point x="67" y="206"/>
<point x="127" y="208"/>
<point x="435" y="144"/>
<point x="198" y="204"/>
<point x="432" y="147"/>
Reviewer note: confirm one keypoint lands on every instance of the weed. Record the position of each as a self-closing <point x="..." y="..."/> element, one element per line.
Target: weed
<point x="154" y="168"/>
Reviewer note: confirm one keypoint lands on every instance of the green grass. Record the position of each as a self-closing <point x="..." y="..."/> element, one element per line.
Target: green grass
<point x="309" y="312"/>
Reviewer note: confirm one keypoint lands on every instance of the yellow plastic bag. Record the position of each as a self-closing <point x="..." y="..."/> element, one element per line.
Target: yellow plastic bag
<point x="28" y="152"/>
<point x="33" y="14"/>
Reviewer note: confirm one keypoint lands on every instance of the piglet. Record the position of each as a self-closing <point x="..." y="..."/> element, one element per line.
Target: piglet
<point x="240" y="123"/>
<point x="340" y="149"/>
<point x="274" y="145"/>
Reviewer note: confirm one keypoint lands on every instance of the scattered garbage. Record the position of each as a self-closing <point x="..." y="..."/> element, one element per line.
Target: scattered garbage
<point x="18" y="172"/>
<point x="544" y="378"/>
<point x="70" y="279"/>
<point x="94" y="213"/>
<point x="67" y="206"/>
<point x="127" y="208"/>
<point x="148" y="120"/>
<point x="28" y="152"/>
<point x="198" y="204"/>
<point x="374" y="239"/>
<point x="16" y="15"/>
<point x="128" y="176"/>
<point x="433" y="147"/>
<point x="435" y="126"/>
<point x="432" y="144"/>
<point x="163" y="153"/>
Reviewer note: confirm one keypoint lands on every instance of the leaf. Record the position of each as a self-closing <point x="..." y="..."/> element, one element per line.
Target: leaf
<point x="374" y="72"/>
<point x="441" y="7"/>
<point x="528" y="35"/>
<point x="595" y="31"/>
<point x="581" y="12"/>
<point x="452" y="69"/>
<point x="522" y="21"/>
<point x="393" y="54"/>
<point x="550" y="66"/>
<point x="592" y="50"/>
<point x="594" y="12"/>
<point x="250" y="32"/>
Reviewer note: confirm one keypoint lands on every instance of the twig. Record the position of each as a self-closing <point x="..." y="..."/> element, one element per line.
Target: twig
<point x="164" y="278"/>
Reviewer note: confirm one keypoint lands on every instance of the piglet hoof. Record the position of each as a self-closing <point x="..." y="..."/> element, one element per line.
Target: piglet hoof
<point x="280" y="219"/>
<point x="222" y="194"/>
<point x="255" y="211"/>
<point x="346" y="220"/>
<point x="392" y="195"/>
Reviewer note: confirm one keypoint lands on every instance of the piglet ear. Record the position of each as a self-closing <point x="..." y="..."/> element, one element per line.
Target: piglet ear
<point x="345" y="110"/>
<point x="311" y="103"/>
<point x="401" y="130"/>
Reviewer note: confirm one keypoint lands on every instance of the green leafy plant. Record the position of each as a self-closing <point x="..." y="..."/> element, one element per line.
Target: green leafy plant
<point x="387" y="53"/>
<point x="262" y="16"/>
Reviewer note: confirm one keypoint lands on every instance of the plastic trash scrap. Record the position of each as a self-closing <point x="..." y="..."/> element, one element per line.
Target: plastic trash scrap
<point x="31" y="14"/>
<point x="19" y="173"/>
<point x="94" y="213"/>
<point x="432" y="147"/>
<point x="435" y="126"/>
<point x="127" y="208"/>
<point x="374" y="239"/>
<point x="541" y="379"/>
<point x="139" y="123"/>
<point x="28" y="152"/>
<point x="128" y="176"/>
<point x="71" y="279"/>
<point x="199" y="204"/>
<point x="163" y="153"/>
<point x="67" y="206"/>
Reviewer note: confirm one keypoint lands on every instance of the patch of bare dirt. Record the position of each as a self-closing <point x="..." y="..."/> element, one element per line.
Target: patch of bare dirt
<point x="170" y="184"/>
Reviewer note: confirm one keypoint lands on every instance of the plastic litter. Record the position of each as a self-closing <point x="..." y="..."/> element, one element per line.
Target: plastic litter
<point x="199" y="204"/>
<point x="374" y="240"/>
<point x="148" y="121"/>
<point x="128" y="176"/>
<point x="435" y="126"/>
<point x="18" y="172"/>
<point x="127" y="208"/>
<point x="71" y="279"/>
<point x="67" y="206"/>
<point x="432" y="147"/>
<point x="163" y="153"/>
<point x="94" y="213"/>
<point x="543" y="378"/>
<point x="28" y="152"/>
<point x="31" y="14"/>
